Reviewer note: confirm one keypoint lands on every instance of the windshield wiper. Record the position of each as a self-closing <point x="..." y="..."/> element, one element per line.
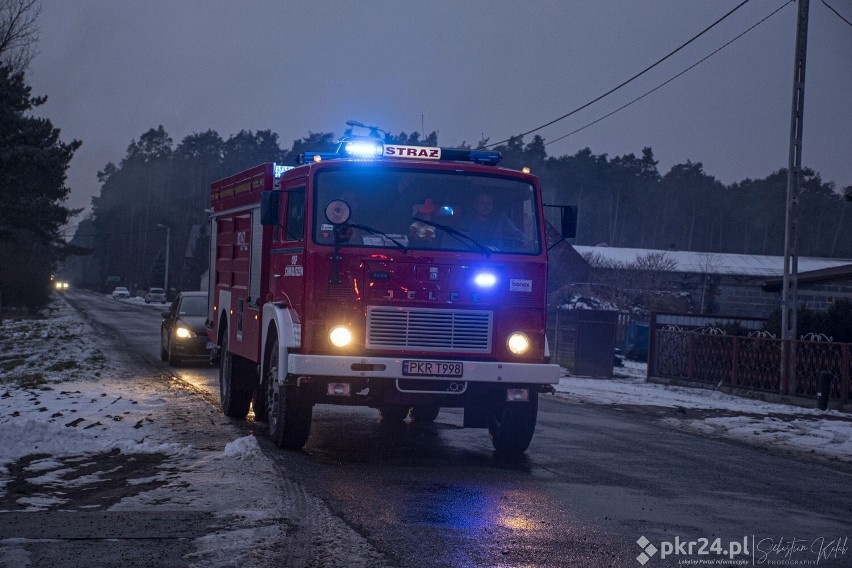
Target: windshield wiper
<point x="373" y="231"/>
<point x="466" y="240"/>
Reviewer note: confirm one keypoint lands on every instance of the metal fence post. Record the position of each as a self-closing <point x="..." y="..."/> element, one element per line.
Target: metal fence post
<point x="846" y="369"/>
<point x="652" y="346"/>
<point x="785" y="366"/>
<point x="823" y="389"/>
<point x="735" y="361"/>
<point x="690" y="354"/>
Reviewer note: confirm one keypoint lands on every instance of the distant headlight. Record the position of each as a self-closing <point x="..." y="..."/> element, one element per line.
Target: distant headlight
<point x="184" y="332"/>
<point x="518" y="343"/>
<point x="65" y="284"/>
<point x="340" y="336"/>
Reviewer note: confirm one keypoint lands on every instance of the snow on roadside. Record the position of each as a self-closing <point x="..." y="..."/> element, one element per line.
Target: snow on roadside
<point x="67" y="402"/>
<point x="809" y="430"/>
<point x="59" y="396"/>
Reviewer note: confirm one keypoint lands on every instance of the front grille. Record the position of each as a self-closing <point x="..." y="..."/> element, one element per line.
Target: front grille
<point x="421" y="329"/>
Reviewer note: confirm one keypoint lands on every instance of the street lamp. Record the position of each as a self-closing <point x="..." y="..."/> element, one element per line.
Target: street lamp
<point x="166" y="275"/>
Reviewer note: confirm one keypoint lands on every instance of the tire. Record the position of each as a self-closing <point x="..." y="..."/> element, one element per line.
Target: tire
<point x="259" y="395"/>
<point x="233" y="397"/>
<point x="425" y="414"/>
<point x="393" y="413"/>
<point x="258" y="403"/>
<point x="513" y="424"/>
<point x="164" y="355"/>
<point x="174" y="361"/>
<point x="288" y="414"/>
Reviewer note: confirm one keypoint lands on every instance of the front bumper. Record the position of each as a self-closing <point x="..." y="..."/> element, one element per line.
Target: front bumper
<point x="191" y="348"/>
<point x="391" y="368"/>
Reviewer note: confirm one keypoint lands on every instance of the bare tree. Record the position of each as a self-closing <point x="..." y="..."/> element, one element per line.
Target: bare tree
<point x="597" y="260"/>
<point x="652" y="270"/>
<point x="18" y="32"/>
<point x="646" y="282"/>
<point x="708" y="264"/>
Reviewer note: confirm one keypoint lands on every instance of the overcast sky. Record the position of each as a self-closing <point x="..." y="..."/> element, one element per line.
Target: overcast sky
<point x="113" y="69"/>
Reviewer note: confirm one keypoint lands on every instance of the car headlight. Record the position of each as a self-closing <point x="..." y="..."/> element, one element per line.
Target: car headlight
<point x="340" y="336"/>
<point x="518" y="343"/>
<point x="184" y="332"/>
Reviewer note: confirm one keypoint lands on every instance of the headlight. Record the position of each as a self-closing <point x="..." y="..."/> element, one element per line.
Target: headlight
<point x="340" y="336"/>
<point x="58" y="285"/>
<point x="518" y="343"/>
<point x="65" y="284"/>
<point x="184" y="332"/>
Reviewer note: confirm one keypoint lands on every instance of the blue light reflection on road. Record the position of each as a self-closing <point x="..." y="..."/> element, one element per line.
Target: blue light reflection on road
<point x="490" y="516"/>
<point x="451" y="506"/>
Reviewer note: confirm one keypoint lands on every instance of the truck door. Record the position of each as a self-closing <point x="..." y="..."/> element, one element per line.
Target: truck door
<point x="288" y="252"/>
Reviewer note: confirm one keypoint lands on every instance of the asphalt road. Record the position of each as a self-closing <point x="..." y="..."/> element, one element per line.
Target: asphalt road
<point x="594" y="480"/>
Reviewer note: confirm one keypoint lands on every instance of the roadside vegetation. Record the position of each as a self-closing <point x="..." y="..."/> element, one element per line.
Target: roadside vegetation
<point x="33" y="166"/>
<point x="623" y="201"/>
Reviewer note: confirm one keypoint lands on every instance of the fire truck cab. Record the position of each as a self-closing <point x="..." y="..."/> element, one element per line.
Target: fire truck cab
<point x="403" y="278"/>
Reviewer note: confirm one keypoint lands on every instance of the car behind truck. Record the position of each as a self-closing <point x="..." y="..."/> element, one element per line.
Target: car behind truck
<point x="368" y="276"/>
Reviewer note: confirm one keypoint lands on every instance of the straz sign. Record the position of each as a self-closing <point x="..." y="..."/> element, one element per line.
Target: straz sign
<point x="418" y="152"/>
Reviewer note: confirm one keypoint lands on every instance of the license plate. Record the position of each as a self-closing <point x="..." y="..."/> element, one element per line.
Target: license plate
<point x="432" y="368"/>
<point x="209" y="345"/>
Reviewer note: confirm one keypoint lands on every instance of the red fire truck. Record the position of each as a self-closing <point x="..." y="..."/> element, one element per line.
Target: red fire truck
<point x="402" y="278"/>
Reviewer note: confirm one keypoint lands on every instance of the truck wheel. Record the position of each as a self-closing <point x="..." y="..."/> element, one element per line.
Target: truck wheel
<point x="288" y="415"/>
<point x="513" y="424"/>
<point x="425" y="414"/>
<point x="393" y="413"/>
<point x="234" y="400"/>
<point x="258" y="403"/>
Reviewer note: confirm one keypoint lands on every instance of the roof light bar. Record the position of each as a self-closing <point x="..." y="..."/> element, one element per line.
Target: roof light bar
<point x="361" y="148"/>
<point x="309" y="157"/>
<point x="485" y="157"/>
<point x="370" y="148"/>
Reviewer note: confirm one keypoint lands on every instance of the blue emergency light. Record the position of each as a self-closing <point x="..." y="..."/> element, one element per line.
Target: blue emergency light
<point x="363" y="148"/>
<point x="485" y="280"/>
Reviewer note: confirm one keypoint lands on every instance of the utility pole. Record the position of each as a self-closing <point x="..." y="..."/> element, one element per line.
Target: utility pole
<point x="166" y="275"/>
<point x="790" y="299"/>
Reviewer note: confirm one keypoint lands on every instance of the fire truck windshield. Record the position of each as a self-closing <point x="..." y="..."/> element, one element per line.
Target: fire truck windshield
<point x="432" y="210"/>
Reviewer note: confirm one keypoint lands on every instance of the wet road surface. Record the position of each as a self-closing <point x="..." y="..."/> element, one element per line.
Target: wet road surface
<point x="593" y="482"/>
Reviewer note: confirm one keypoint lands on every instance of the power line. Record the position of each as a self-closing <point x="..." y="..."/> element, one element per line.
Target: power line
<point x="836" y="12"/>
<point x="634" y="77"/>
<point x="661" y="85"/>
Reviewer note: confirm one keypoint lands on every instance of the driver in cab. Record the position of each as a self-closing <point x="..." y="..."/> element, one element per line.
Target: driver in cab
<point x="489" y="228"/>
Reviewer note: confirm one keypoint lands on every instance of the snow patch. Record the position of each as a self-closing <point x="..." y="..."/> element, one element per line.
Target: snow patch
<point x="245" y="448"/>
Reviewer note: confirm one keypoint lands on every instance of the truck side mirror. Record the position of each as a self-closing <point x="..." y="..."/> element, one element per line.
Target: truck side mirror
<point x="269" y="208"/>
<point x="569" y="222"/>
